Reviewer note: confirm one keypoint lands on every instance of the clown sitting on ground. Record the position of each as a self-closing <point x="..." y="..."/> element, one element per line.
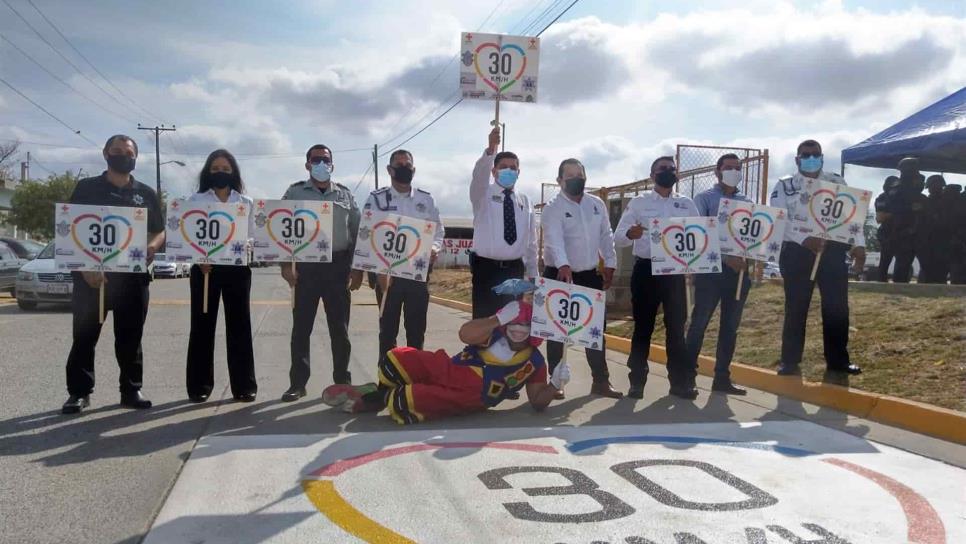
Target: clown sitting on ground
<point x="499" y="359"/>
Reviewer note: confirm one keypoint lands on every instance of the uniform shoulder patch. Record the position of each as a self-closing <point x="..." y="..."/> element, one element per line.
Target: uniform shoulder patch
<point x="339" y="185"/>
<point x="379" y="191"/>
<point x="422" y="191"/>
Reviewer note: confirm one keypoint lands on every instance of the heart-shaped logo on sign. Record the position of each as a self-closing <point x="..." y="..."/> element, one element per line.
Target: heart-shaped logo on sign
<point x="295" y="226"/>
<point x="394" y="243"/>
<point x="751" y="234"/>
<point x="832" y="209"/>
<point x="684" y="245"/>
<point x="501" y="60"/>
<point x="568" y="310"/>
<point x="104" y="241"/>
<point x="204" y="231"/>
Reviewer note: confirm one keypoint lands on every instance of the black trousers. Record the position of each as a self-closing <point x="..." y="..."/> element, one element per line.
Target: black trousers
<point x="409" y="298"/>
<point x="902" y="272"/>
<point x="234" y="285"/>
<point x="595" y="358"/>
<point x="648" y="292"/>
<point x="885" y="259"/>
<point x="833" y="283"/>
<point x="933" y="264"/>
<point x="329" y="282"/>
<point x="487" y="274"/>
<point x="127" y="296"/>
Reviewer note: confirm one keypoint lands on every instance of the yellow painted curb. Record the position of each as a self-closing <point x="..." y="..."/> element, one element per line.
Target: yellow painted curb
<point x="907" y="414"/>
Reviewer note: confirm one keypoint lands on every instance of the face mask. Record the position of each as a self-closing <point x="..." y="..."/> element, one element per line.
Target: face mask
<point x="731" y="178"/>
<point x="220" y="180"/>
<point x="321" y="172"/>
<point x="810" y="165"/>
<point x="507" y="177"/>
<point x="518" y="333"/>
<point x="666" y="179"/>
<point x="121" y="164"/>
<point x="574" y="186"/>
<point x="403" y="174"/>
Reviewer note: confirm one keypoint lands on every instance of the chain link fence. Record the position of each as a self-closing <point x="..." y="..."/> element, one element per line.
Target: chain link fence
<point x="696" y="165"/>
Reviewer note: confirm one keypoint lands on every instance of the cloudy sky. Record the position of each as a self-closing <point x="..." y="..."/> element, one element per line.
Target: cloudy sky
<point x="620" y="82"/>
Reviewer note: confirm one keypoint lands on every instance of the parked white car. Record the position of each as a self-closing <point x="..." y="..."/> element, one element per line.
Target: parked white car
<point x="39" y="281"/>
<point x="163" y="268"/>
<point x="772" y="271"/>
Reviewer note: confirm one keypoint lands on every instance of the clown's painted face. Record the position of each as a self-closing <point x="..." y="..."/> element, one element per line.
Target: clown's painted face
<point x="518" y="333"/>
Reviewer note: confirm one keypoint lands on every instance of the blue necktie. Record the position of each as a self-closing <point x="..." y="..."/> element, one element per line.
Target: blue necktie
<point x="509" y="219"/>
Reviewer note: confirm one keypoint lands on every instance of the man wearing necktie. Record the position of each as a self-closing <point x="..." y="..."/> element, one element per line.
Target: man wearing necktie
<point x="504" y="228"/>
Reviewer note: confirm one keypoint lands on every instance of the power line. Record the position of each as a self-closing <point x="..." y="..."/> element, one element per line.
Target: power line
<point x="52" y="116"/>
<point x="533" y="24"/>
<point x="67" y="60"/>
<point x="361" y="179"/>
<point x="89" y="63"/>
<point x="63" y="82"/>
<point x="520" y="22"/>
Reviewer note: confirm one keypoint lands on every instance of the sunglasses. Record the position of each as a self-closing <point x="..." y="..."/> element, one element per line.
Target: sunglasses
<point x="666" y="168"/>
<point x="810" y="156"/>
<point x="317" y="160"/>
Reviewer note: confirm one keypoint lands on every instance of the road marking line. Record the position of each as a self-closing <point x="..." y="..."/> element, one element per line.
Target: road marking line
<point x="323" y="495"/>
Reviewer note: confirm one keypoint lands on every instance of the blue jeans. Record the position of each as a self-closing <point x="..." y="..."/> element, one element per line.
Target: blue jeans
<point x="709" y="289"/>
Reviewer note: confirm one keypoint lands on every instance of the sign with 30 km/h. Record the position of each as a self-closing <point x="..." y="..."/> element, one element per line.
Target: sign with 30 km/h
<point x="100" y="238"/>
<point x="292" y="231"/>
<point x="207" y="232"/>
<point x="494" y="65"/>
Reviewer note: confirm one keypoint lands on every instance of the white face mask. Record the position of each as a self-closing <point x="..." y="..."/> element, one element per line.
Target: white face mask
<point x="731" y="178"/>
<point x="518" y="333"/>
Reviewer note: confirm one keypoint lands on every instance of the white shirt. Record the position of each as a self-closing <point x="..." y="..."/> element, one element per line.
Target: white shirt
<point x="788" y="194"/>
<point x="577" y="234"/>
<point x="233" y="197"/>
<point x="416" y="203"/>
<point x="641" y="209"/>
<point x="487" y="200"/>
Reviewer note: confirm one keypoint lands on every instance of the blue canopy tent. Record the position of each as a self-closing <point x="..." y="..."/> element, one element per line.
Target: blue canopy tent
<point x="936" y="135"/>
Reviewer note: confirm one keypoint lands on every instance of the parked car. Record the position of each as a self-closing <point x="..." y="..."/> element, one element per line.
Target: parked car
<point x="772" y="271"/>
<point x="40" y="281"/>
<point x="163" y="268"/>
<point x="10" y="263"/>
<point x="25" y="249"/>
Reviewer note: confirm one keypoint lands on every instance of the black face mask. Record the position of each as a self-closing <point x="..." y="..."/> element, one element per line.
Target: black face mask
<point x="666" y="179"/>
<point x="403" y="174"/>
<point x="574" y="186"/>
<point x="220" y="180"/>
<point x="121" y="164"/>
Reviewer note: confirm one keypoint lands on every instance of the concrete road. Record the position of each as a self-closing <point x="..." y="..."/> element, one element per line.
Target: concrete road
<point x="270" y="471"/>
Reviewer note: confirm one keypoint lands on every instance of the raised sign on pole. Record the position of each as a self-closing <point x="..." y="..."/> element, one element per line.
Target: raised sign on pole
<point x="100" y="238"/>
<point x="568" y="313"/>
<point x="207" y="232"/>
<point x="499" y="67"/>
<point x="292" y="231"/>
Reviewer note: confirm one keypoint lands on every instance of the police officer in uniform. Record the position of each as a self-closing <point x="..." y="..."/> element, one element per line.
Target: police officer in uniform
<point x="883" y="216"/>
<point x="576" y="235"/>
<point x="797" y="257"/>
<point x="407" y="296"/>
<point x="126" y="294"/>
<point x="329" y="281"/>
<point x="649" y="291"/>
<point x="934" y="239"/>
<point x="907" y="208"/>
<point x="710" y="289"/>
<point x="504" y="228"/>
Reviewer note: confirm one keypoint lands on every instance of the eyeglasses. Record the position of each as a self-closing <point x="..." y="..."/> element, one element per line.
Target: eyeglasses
<point x="317" y="160"/>
<point x="810" y="156"/>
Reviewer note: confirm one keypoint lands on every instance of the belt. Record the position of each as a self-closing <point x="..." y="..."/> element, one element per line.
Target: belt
<point x="498" y="263"/>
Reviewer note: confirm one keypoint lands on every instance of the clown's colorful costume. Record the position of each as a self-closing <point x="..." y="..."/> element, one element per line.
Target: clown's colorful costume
<point x="426" y="385"/>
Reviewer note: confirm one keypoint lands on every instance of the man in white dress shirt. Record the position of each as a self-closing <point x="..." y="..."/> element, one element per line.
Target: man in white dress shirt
<point x="576" y="235"/>
<point x="648" y="291"/>
<point x="504" y="228"/>
<point x="409" y="297"/>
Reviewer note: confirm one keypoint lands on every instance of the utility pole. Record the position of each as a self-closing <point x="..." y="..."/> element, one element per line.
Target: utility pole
<point x="503" y="137"/>
<point x="375" y="163"/>
<point x="25" y="169"/>
<point x="157" y="148"/>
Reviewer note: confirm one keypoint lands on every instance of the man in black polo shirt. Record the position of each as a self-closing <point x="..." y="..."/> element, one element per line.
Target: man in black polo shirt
<point x="125" y="293"/>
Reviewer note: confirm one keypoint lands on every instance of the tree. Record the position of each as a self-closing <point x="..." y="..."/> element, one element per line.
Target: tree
<point x="32" y="205"/>
<point x="8" y="154"/>
<point x="871" y="234"/>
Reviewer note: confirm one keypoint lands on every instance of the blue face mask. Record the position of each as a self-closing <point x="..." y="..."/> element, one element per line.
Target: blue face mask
<point x="810" y="164"/>
<point x="321" y="172"/>
<point x="506" y="177"/>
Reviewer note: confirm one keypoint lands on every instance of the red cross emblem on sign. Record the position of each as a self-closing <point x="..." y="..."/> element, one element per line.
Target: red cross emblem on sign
<point x="139" y="213"/>
<point x="429" y="227"/>
<point x="542" y="281"/>
<point x="469" y="37"/>
<point x="174" y="205"/>
<point x="261" y="203"/>
<point x="65" y="208"/>
<point x="533" y="43"/>
<point x="598" y="296"/>
<point x="368" y="214"/>
<point x="711" y="222"/>
<point x="781" y="214"/>
<point x="655" y="222"/>
<point x="325" y="206"/>
<point x="241" y="209"/>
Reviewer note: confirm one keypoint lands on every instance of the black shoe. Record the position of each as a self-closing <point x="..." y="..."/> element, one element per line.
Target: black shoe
<point x="635" y="393"/>
<point x="789" y="370"/>
<point x="686" y="392"/>
<point x="75" y="404"/>
<point x="198" y="398"/>
<point x="293" y="394"/>
<point x="849" y="369"/>
<point x="725" y="386"/>
<point x="245" y="397"/>
<point x="135" y="399"/>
